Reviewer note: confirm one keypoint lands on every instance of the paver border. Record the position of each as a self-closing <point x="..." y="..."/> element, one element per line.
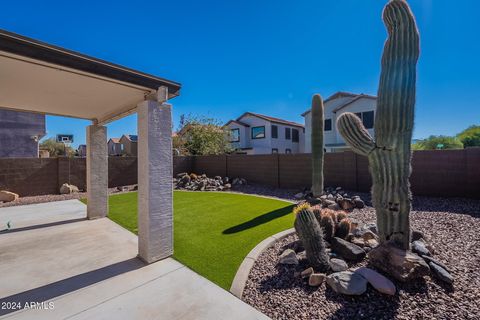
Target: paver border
<point x="241" y="277"/>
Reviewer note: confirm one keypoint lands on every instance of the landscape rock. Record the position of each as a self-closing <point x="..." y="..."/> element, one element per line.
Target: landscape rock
<point x="338" y="265"/>
<point x="346" y="204"/>
<point x="306" y="273"/>
<point x="334" y="206"/>
<point x="68" y="188"/>
<point x="7" y="196"/>
<point x="369" y="235"/>
<point x="378" y="281"/>
<point x="419" y="247"/>
<point x="347" y="250"/>
<point x="288" y="257"/>
<point x="346" y="282"/>
<point x="316" y="279"/>
<point x="417" y="235"/>
<point x="429" y="259"/>
<point x="359" y="203"/>
<point x="441" y="273"/>
<point x="299" y="196"/>
<point x="400" y="264"/>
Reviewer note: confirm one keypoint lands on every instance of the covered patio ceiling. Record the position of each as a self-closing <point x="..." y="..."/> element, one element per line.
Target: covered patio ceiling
<point x="40" y="77"/>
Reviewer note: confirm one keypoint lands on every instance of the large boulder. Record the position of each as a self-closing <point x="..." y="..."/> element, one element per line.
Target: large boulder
<point x="400" y="264"/>
<point x="346" y="282"/>
<point x="7" y="196"/>
<point x="347" y="250"/>
<point x="378" y="281"/>
<point x="68" y="188"/>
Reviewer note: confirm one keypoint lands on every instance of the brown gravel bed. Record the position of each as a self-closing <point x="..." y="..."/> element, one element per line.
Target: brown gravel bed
<point x="451" y="225"/>
<point x="55" y="197"/>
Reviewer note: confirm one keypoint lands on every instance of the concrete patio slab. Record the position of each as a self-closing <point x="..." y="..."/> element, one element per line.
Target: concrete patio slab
<point x="87" y="269"/>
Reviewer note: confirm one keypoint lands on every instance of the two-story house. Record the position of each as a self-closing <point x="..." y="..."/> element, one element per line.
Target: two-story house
<point x="114" y="147"/>
<point x="253" y="133"/>
<point x="20" y="133"/>
<point x="129" y="144"/>
<point x="363" y="105"/>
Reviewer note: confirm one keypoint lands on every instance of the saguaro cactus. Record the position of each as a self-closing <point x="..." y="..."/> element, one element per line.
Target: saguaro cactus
<point x="317" y="145"/>
<point x="389" y="154"/>
<point x="310" y="233"/>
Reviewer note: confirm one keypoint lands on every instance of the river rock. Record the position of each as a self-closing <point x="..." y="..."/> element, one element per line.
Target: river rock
<point x="429" y="259"/>
<point x="400" y="264"/>
<point x="7" y="196"/>
<point x="378" y="281"/>
<point x="338" y="265"/>
<point x="288" y="257"/>
<point x="441" y="273"/>
<point x="418" y="246"/>
<point x="316" y="279"/>
<point x="347" y="250"/>
<point x="347" y="282"/>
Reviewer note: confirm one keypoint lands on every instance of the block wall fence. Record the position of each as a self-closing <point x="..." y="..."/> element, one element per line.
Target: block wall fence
<point x="445" y="173"/>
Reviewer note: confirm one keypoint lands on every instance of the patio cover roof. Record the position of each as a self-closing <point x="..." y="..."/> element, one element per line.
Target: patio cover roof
<point x="38" y="77"/>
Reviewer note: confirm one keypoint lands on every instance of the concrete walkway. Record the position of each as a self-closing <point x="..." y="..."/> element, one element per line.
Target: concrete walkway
<point x="87" y="269"/>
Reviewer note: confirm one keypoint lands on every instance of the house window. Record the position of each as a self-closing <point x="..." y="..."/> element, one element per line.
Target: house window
<point x="367" y="118"/>
<point x="235" y="135"/>
<point x="328" y="125"/>
<point x="287" y="134"/>
<point x="258" y="132"/>
<point x="274" y="150"/>
<point x="274" y="131"/>
<point x="288" y="151"/>
<point x="295" y="136"/>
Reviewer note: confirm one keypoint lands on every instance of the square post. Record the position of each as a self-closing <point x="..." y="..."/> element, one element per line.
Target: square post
<point x="155" y="172"/>
<point x="97" y="172"/>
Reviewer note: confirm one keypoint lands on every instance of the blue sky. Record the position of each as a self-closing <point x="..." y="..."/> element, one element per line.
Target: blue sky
<point x="264" y="56"/>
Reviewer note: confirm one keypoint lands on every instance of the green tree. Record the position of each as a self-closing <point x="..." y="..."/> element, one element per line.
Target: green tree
<point x="438" y="143"/>
<point x="470" y="137"/>
<point x="200" y="135"/>
<point x="56" y="148"/>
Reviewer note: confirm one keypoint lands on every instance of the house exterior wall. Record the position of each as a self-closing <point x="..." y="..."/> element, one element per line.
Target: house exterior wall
<point x="17" y="132"/>
<point x="114" y="149"/>
<point x="129" y="147"/>
<point x="334" y="137"/>
<point x="265" y="145"/>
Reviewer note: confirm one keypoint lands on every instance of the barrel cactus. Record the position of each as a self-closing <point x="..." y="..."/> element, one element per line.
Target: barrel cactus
<point x="389" y="154"/>
<point x="311" y="234"/>
<point x="317" y="145"/>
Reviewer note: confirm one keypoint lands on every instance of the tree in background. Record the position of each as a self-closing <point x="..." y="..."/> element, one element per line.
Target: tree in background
<point x="470" y="137"/>
<point x="56" y="148"/>
<point x="438" y="143"/>
<point x="200" y="135"/>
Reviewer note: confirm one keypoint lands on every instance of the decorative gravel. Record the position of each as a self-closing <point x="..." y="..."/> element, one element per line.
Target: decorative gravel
<point x="451" y="225"/>
<point x="57" y="197"/>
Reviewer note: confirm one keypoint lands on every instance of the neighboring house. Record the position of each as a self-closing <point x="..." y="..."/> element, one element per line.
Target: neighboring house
<point x="82" y="150"/>
<point x="114" y="147"/>
<point x="364" y="106"/>
<point x="20" y="133"/>
<point x="253" y="133"/>
<point x="129" y="144"/>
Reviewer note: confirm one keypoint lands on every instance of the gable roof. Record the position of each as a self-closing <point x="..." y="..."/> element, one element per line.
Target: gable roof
<point x="115" y="140"/>
<point x="271" y="119"/>
<point x="342" y="94"/>
<point x="238" y="122"/>
<point x="130" y="137"/>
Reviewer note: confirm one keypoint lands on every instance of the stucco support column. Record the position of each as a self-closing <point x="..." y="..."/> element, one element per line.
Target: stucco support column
<point x="97" y="172"/>
<point x="155" y="194"/>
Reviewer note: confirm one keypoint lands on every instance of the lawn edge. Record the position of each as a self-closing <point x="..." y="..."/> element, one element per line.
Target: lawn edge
<point x="241" y="277"/>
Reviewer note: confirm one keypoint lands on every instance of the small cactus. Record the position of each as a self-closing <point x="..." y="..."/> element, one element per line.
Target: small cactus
<point x="328" y="226"/>
<point x="340" y="215"/>
<point x="390" y="152"/>
<point x="343" y="229"/>
<point x="317" y="125"/>
<point x="310" y="233"/>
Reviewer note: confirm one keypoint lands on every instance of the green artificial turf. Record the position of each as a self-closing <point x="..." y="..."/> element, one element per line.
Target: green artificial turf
<point x="213" y="231"/>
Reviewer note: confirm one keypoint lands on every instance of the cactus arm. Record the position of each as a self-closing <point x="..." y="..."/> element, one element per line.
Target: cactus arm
<point x="353" y="131"/>
<point x="317" y="125"/>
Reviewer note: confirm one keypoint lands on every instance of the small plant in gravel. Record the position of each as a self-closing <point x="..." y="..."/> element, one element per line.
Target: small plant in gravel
<point x="310" y="233"/>
<point x="343" y="228"/>
<point x="389" y="153"/>
<point x="317" y="125"/>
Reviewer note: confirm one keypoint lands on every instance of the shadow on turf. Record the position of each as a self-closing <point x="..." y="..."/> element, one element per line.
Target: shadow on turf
<point x="264" y="218"/>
